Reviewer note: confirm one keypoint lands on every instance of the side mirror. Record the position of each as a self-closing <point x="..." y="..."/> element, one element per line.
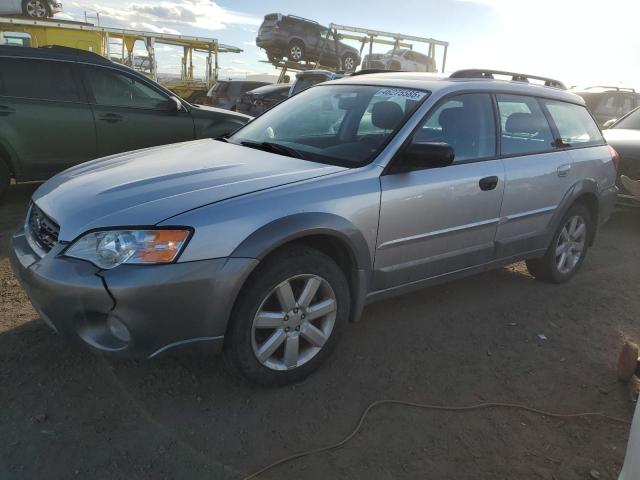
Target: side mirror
<point x="175" y="105"/>
<point x="422" y="155"/>
<point x="608" y="123"/>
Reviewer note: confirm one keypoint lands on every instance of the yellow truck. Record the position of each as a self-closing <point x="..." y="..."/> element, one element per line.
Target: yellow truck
<point x="118" y="45"/>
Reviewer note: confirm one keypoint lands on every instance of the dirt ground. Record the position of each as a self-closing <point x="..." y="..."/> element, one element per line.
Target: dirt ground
<point x="66" y="413"/>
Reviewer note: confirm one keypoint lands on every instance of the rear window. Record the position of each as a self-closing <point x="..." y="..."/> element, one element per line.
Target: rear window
<point x="306" y="82"/>
<point x="524" y="127"/>
<point x="219" y="88"/>
<point x="574" y="123"/>
<point x="41" y="79"/>
<point x="631" y="121"/>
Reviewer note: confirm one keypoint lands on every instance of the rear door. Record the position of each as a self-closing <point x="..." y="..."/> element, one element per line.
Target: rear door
<point x="538" y="175"/>
<point x="44" y="116"/>
<point x="442" y="220"/>
<point x="131" y="114"/>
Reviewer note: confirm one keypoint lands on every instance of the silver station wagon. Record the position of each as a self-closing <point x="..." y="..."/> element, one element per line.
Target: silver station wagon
<point x="266" y="243"/>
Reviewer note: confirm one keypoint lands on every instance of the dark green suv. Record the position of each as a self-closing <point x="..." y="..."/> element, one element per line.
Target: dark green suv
<point x="61" y="106"/>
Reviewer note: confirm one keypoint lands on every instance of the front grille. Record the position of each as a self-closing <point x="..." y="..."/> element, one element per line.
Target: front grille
<point x="43" y="231"/>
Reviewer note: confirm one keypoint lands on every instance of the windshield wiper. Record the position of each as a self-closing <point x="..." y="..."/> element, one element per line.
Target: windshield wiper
<point x="274" y="148"/>
<point x="222" y="139"/>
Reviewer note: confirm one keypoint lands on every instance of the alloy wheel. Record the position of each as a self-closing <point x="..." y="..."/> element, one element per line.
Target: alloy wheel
<point x="348" y="63"/>
<point x="36" y="8"/>
<point x="296" y="53"/>
<point x="571" y="244"/>
<point x="294" y="322"/>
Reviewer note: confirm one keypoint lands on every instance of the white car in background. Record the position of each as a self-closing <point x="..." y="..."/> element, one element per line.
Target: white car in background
<point x="400" y="59"/>
<point x="631" y="467"/>
<point x="30" y="8"/>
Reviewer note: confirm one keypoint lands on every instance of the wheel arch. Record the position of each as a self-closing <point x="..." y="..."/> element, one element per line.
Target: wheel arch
<point x="331" y="234"/>
<point x="584" y="192"/>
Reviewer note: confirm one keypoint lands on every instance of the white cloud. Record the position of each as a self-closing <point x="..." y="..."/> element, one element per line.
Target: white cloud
<point x="161" y="16"/>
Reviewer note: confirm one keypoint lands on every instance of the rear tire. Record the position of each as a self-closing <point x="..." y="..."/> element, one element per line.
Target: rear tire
<point x="349" y="62"/>
<point x="271" y="339"/>
<point x="568" y="248"/>
<point x="36" y="9"/>
<point x="296" y="52"/>
<point x="5" y="178"/>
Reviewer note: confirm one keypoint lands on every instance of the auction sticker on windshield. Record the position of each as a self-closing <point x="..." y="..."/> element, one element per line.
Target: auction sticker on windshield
<point x="401" y="92"/>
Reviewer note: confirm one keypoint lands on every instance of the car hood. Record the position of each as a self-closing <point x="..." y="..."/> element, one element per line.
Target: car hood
<point x="145" y="187"/>
<point x="626" y="142"/>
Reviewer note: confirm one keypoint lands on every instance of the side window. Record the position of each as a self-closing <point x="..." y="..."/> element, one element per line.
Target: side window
<point x="575" y="125"/>
<point x="466" y="122"/>
<point x="38" y="79"/>
<point x="524" y="127"/>
<point x="112" y="88"/>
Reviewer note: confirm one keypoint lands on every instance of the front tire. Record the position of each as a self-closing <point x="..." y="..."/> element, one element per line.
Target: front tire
<point x="36" y="8"/>
<point x="288" y="317"/>
<point x="567" y="250"/>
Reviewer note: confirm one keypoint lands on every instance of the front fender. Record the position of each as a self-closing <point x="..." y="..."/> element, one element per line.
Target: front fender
<point x="297" y="226"/>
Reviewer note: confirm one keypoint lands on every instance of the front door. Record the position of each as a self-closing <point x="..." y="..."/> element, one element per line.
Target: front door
<point x="44" y="117"/>
<point x="442" y="220"/>
<point x="131" y="114"/>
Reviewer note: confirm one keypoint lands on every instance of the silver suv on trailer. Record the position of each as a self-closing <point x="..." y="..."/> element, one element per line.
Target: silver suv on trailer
<point x="264" y="244"/>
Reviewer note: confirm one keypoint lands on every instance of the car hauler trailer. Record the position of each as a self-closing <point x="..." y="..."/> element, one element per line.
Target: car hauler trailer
<point x="368" y="37"/>
<point x="102" y="40"/>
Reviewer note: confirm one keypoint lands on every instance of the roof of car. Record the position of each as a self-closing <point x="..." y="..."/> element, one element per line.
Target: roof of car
<point x="435" y="82"/>
<point x="54" y="53"/>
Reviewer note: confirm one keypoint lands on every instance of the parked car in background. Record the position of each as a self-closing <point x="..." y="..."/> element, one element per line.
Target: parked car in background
<point x="258" y="101"/>
<point x="609" y="103"/>
<point x="401" y="59"/>
<point x="225" y="93"/>
<point x="299" y="39"/>
<point x="30" y="8"/>
<point x="266" y="243"/>
<point x="60" y="107"/>
<point x="624" y="137"/>
<point x="310" y="78"/>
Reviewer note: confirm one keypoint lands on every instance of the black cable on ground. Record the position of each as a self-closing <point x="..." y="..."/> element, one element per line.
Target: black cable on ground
<point x="446" y="408"/>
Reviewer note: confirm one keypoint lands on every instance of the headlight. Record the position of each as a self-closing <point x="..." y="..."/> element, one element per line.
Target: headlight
<point x="110" y="248"/>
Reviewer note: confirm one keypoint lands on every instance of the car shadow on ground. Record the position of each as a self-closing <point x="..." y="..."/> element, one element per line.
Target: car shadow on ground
<point x="498" y="336"/>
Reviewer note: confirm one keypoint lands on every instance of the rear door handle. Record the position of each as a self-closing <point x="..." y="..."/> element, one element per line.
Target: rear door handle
<point x="6" y="111"/>
<point x="488" y="183"/>
<point x="563" y="170"/>
<point x="111" y="118"/>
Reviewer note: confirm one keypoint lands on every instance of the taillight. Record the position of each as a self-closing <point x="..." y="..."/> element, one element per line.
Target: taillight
<point x="615" y="158"/>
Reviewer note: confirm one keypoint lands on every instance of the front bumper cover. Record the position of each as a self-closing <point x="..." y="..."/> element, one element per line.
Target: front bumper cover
<point x="158" y="307"/>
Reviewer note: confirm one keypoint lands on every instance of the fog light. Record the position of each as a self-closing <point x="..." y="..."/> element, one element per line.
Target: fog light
<point x="118" y="329"/>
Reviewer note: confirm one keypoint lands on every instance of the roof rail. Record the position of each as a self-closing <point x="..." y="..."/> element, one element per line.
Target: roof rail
<point x="608" y="87"/>
<point x="367" y="71"/>
<point x="515" y="77"/>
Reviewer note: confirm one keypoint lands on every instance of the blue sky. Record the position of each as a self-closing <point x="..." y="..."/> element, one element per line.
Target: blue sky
<point x="579" y="42"/>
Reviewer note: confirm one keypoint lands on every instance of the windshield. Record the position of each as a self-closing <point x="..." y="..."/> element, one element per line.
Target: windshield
<point x="631" y="121"/>
<point x="340" y="124"/>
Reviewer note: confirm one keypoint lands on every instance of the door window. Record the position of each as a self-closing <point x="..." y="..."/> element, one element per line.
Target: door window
<point x="466" y="122"/>
<point x="575" y="125"/>
<point x="524" y="127"/>
<point x="42" y="80"/>
<point x="112" y="88"/>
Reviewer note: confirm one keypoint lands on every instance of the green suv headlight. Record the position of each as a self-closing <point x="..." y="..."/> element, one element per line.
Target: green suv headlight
<point x="109" y="248"/>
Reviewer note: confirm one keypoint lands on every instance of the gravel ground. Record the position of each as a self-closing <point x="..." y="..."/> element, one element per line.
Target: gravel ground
<point x="66" y="413"/>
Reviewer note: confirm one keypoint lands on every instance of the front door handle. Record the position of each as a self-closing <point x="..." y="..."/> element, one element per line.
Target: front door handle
<point x="563" y="170"/>
<point x="488" y="183"/>
<point x="6" y="111"/>
<point x="111" y="117"/>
